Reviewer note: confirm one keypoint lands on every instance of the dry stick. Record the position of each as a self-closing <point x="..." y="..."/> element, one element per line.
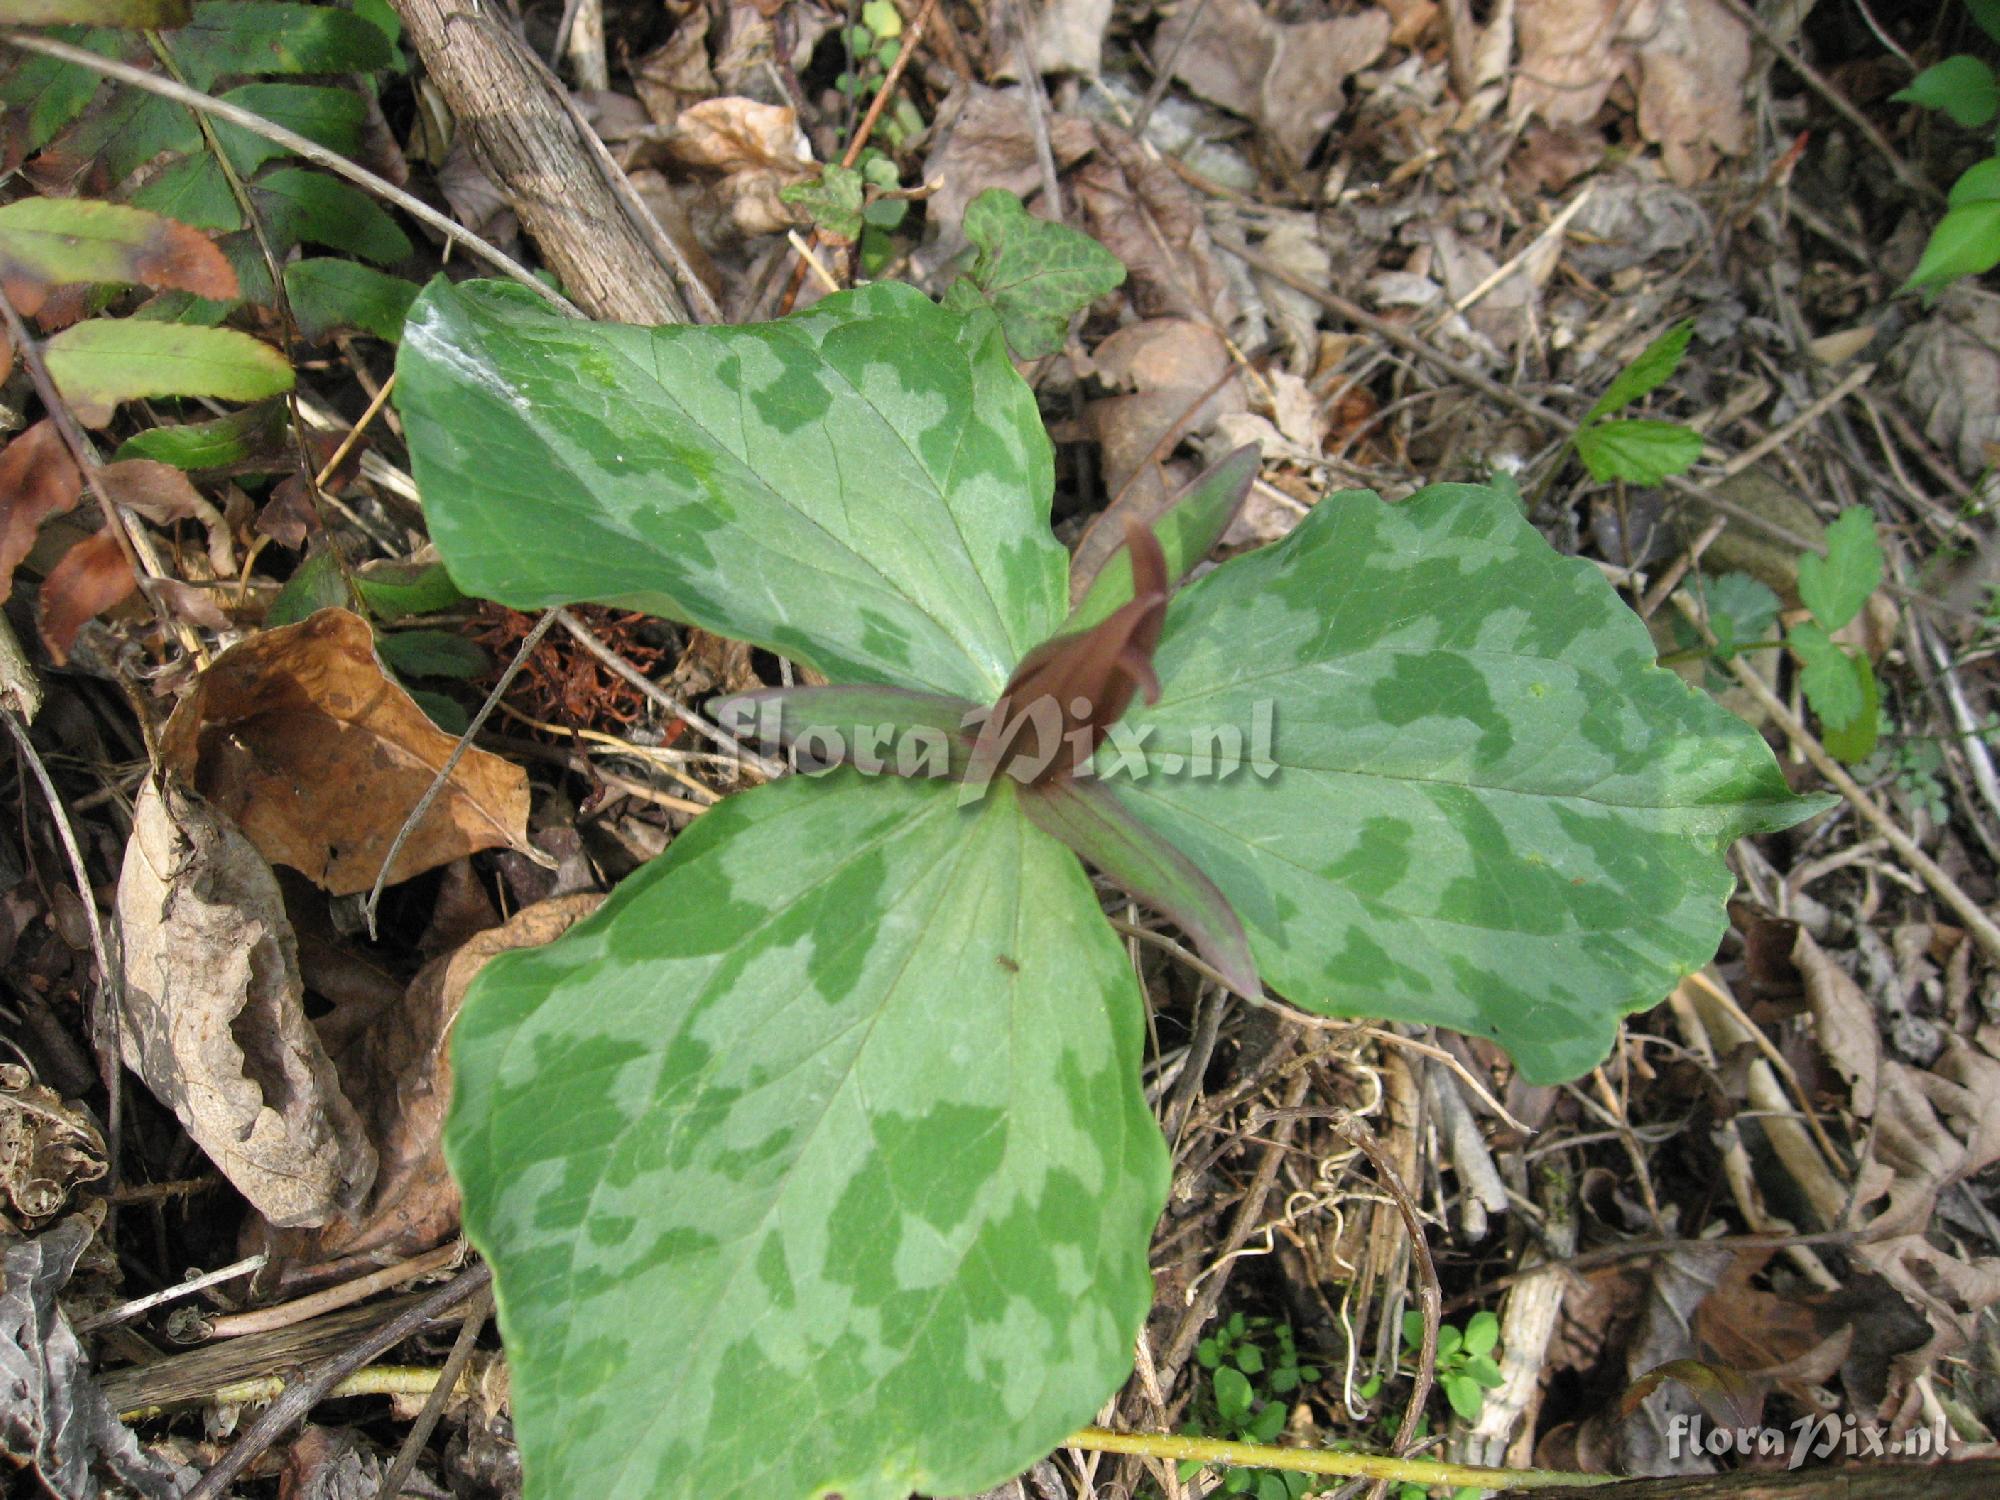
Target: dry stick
<point x="528" y="643"/>
<point x="292" y="141"/>
<point x="1905" y="173"/>
<point x="661" y="696"/>
<point x="111" y="976"/>
<point x="1493" y="390"/>
<point x="1163" y="73"/>
<point x="300" y="1397"/>
<point x="420" y="1431"/>
<point x="300" y="1310"/>
<point x="125" y="1312"/>
<point x="1977" y="922"/>
<point x="133" y="543"/>
<point x="1419" y="1471"/>
<point x="1038" y="106"/>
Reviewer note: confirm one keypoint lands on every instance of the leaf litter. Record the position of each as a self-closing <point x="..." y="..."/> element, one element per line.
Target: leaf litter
<point x="1331" y="140"/>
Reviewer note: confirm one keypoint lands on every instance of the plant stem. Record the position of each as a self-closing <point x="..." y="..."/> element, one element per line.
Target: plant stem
<point x="1322" y="1461"/>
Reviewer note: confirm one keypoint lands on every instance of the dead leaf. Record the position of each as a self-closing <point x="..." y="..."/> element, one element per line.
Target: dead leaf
<point x="676" y="74"/>
<point x="164" y="494"/>
<point x="112" y="242"/>
<point x="38" y="479"/>
<point x="1948" y="373"/>
<point x="47" y="1148"/>
<point x="1290" y="79"/>
<point x="739" y="135"/>
<point x="54" y="1420"/>
<point x="299" y="736"/>
<point x="1142" y="213"/>
<point x="398" y="1072"/>
<point x="88" y="579"/>
<point x="1067" y="36"/>
<point x="214" y="1014"/>
<point x="984" y="138"/>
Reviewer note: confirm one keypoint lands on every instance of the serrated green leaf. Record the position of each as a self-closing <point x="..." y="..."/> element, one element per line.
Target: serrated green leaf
<point x="432" y="653"/>
<point x="49" y="94"/>
<point x="1828" y="676"/>
<point x="1854" y="741"/>
<point x="1477" y="802"/>
<point x="1836" y="586"/>
<point x="863" y="486"/>
<point x="194" y="191"/>
<point x="700" y="1139"/>
<point x="301" y="206"/>
<point x="132" y="129"/>
<point x="1036" y="275"/>
<point x="248" y="441"/>
<point x="1187" y="529"/>
<point x="832" y="200"/>
<point x="327" y="295"/>
<point x="1653" y="368"/>
<point x="1962" y="86"/>
<point x="103" y="361"/>
<point x="1966" y="242"/>
<point x="1638" y="450"/>
<point x="229" y="37"/>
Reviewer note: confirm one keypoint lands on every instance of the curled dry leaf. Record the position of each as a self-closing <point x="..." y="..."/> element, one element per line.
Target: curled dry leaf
<point x="38" y="479"/>
<point x="756" y="148"/>
<point x="214" y="1014"/>
<point x="1142" y="213"/>
<point x="87" y="580"/>
<point x="46" y="1148"/>
<point x="985" y="138"/>
<point x="300" y="736"/>
<point x="164" y="494"/>
<point x="1947" y="369"/>
<point x="398" y="1072"/>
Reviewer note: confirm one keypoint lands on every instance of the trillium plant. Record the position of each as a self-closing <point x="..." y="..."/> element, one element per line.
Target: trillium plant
<point x="816" y="1162"/>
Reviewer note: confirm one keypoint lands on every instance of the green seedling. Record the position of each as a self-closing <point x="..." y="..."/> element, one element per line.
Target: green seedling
<point x="1466" y="1370"/>
<point x="832" y="1116"/>
<point x="1639" y="450"/>
<point x="1966" y="241"/>
<point x="1254" y="1376"/>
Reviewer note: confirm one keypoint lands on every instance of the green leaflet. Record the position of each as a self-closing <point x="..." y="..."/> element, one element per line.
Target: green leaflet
<point x="863" y="486"/>
<point x="817" y="1159"/>
<point x="1489" y="809"/>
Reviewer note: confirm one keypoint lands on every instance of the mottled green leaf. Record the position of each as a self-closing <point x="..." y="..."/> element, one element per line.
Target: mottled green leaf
<point x="1191" y="525"/>
<point x="103" y="361"/>
<point x="1462" y="792"/>
<point x="863" y="486"/>
<point x="1836" y="586"/>
<point x="328" y="295"/>
<point x="229" y="37"/>
<point x="1962" y="86"/>
<point x="1639" y="450"/>
<point x="1828" y="676"/>
<point x="1653" y="368"/>
<point x="831" y="1118"/>
<point x="1035" y="275"/>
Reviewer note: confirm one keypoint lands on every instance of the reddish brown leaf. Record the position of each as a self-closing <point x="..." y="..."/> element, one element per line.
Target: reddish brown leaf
<point x="90" y="578"/>
<point x="159" y="492"/>
<point x="38" y="479"/>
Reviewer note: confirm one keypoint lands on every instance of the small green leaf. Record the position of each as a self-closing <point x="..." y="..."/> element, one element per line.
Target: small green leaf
<point x="1268" y="1423"/>
<point x="1232" y="1393"/>
<point x="1449" y="1339"/>
<point x="396" y="591"/>
<point x="1653" y="368"/>
<point x="1740" y="610"/>
<point x="249" y="441"/>
<point x="1271" y="1485"/>
<point x="130" y="13"/>
<point x="1836" y="586"/>
<point x="103" y="361"/>
<point x="328" y="295"/>
<point x="1854" y="742"/>
<point x="1831" y="683"/>
<point x="316" y="584"/>
<point x="432" y="653"/>
<point x="1962" y="86"/>
<point x="882" y="18"/>
<point x="1284" y="1381"/>
<point x="1638" y="450"/>
<point x="1036" y="275"/>
<point x="1413" y="1329"/>
<point x="1966" y="242"/>
<point x="1250" y="1360"/>
<point x="1978" y="183"/>
<point x="302" y="206"/>
<point x="1986" y="13"/>
<point x="886" y="213"/>
<point x="228" y="37"/>
<point x="1482" y="1368"/>
<point x="1482" y="1332"/>
<point x="832" y="201"/>
<point x="1464" y="1394"/>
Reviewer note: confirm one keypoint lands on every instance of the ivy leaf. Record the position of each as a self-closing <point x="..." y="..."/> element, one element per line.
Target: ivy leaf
<point x="1035" y="275"/>
<point x="1962" y="86"/>
<point x="1639" y="450"/>
<point x="832" y="200"/>
<point x="863" y="486"/>
<point x="1828" y="676"/>
<point x="761" y="1053"/>
<point x="1835" y="587"/>
<point x="1480" y="803"/>
<point x="1653" y="368"/>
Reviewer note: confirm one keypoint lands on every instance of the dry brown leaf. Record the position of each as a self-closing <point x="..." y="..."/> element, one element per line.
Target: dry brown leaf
<point x="984" y="139"/>
<point x="299" y="736"/>
<point x="1142" y="213"/>
<point x="47" y="1149"/>
<point x="739" y="135"/>
<point x="1290" y="79"/>
<point x="398" y="1073"/>
<point x="214" y="1014"/>
<point x="87" y="580"/>
<point x="38" y="479"/>
<point x="1948" y="372"/>
<point x="676" y="74"/>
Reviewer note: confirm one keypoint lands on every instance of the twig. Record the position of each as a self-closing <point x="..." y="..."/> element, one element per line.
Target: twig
<point x="528" y="643"/>
<point x="292" y="141"/>
<point x="125" y="1312"/>
<point x="1038" y="105"/>
<point x="420" y="1431"/>
<point x="303" y="1395"/>
<point x="1420" y="1471"/>
<point x="290" y="1314"/>
<point x="1905" y="173"/>
<point x="354" y="433"/>
<point x="1163" y="73"/>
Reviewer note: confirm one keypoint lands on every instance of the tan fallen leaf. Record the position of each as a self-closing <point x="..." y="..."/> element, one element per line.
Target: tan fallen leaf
<point x="214" y="1014"/>
<point x="299" y="736"/>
